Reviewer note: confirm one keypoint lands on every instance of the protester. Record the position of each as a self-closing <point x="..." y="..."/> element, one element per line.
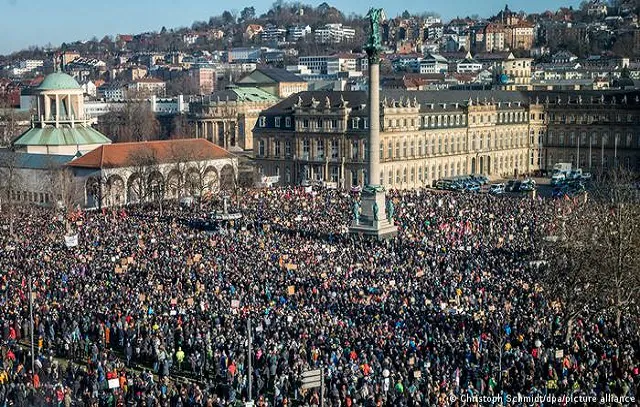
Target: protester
<point x="152" y="311"/>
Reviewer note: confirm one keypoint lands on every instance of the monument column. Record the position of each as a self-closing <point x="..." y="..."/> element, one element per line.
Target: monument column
<point x="373" y="168"/>
<point x="373" y="214"/>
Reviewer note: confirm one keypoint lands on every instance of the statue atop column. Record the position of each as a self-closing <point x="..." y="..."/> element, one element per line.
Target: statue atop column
<point x="373" y="47"/>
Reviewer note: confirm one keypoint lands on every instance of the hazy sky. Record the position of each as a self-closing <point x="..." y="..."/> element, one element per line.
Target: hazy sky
<point x="38" y="22"/>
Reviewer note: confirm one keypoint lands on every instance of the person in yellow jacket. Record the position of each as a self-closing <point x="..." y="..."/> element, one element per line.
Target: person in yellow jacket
<point x="179" y="358"/>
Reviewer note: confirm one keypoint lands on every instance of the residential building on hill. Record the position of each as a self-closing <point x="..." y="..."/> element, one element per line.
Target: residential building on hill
<point x="334" y="33"/>
<point x="145" y="87"/>
<point x="278" y="82"/>
<point x="204" y="78"/>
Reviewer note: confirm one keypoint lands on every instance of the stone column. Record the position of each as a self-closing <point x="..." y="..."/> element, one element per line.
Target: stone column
<point x="57" y="109"/>
<point x="373" y="219"/>
<point x="373" y="169"/>
<point x="47" y="107"/>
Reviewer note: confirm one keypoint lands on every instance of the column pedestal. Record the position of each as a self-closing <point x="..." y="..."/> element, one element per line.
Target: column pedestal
<point x="369" y="224"/>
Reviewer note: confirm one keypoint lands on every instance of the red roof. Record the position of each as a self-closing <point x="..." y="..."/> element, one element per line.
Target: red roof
<point x="164" y="152"/>
<point x="254" y="27"/>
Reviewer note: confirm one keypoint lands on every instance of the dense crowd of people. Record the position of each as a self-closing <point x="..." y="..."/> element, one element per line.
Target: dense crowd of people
<point x="149" y="311"/>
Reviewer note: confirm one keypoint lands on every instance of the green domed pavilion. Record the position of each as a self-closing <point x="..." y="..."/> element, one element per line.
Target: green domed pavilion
<point x="60" y="126"/>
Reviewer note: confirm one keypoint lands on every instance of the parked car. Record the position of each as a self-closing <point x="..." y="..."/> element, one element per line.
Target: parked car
<point x="513" y="186"/>
<point x="480" y="178"/>
<point x="558" y="178"/>
<point x="473" y="188"/>
<point x="496" y="189"/>
<point x="528" y="185"/>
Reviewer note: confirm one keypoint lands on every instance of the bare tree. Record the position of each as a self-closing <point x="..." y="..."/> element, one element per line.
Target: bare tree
<point x="615" y="239"/>
<point x="66" y="190"/>
<point x="197" y="178"/>
<point x="183" y="85"/>
<point x="571" y="283"/>
<point x="498" y="332"/>
<point x="181" y="127"/>
<point x="12" y="123"/>
<point x="10" y="181"/>
<point x="595" y="265"/>
<point x="149" y="184"/>
<point x="133" y="121"/>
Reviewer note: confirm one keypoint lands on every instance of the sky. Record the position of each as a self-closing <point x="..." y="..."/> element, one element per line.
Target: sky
<point x="39" y="22"/>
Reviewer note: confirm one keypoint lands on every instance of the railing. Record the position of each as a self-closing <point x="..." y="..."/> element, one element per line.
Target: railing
<point x="58" y="118"/>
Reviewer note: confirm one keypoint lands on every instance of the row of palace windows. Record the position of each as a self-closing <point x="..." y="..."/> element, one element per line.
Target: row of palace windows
<point x="431" y="121"/>
<point x="590" y="118"/>
<point x="594" y="139"/>
<point x="29" y="197"/>
<point x="420" y="173"/>
<point x="451" y="144"/>
<point x="333" y="147"/>
<point x="596" y="160"/>
<point x="448" y="170"/>
<point x="405" y="149"/>
<point x="319" y="124"/>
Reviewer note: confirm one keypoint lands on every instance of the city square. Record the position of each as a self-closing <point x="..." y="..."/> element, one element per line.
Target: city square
<point x="378" y="226"/>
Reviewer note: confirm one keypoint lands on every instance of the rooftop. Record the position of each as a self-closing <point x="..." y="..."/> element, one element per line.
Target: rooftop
<point x="274" y="74"/>
<point x="58" y="81"/>
<point x="34" y="161"/>
<point x="358" y="99"/>
<point x="64" y="135"/>
<point x="165" y="152"/>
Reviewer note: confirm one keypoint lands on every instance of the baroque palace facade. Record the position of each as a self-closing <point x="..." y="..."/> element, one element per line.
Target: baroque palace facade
<point x="426" y="136"/>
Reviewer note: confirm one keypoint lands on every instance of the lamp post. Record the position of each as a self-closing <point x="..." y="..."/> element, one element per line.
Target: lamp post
<point x="33" y="363"/>
<point x="249" y="355"/>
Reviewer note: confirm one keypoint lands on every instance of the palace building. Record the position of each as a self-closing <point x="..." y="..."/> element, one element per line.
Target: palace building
<point x="227" y="117"/>
<point x="426" y="136"/>
<point x="595" y="130"/>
